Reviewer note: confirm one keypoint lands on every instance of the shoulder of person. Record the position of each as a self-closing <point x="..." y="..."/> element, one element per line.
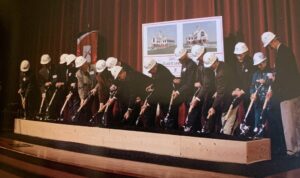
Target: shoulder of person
<point x="78" y="73"/>
<point x="191" y="64"/>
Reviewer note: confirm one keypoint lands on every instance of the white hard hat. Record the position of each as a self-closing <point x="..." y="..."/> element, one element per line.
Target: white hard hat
<point x="267" y="37"/>
<point x="62" y="58"/>
<point x="100" y="65"/>
<point x="258" y="58"/>
<point x="70" y="58"/>
<point x="25" y="65"/>
<point x="45" y="59"/>
<point x="111" y="62"/>
<point x="79" y="61"/>
<point x="149" y="64"/>
<point x="115" y="71"/>
<point x="180" y="52"/>
<point x="240" y="48"/>
<point x="197" y="51"/>
<point x="208" y="59"/>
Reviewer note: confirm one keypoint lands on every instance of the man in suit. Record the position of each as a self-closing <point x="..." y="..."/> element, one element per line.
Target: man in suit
<point x="28" y="90"/>
<point x="192" y="123"/>
<point x="61" y="84"/>
<point x="71" y="86"/>
<point x="113" y="61"/>
<point x="222" y="96"/>
<point x="161" y="89"/>
<point x="286" y="91"/>
<point x="47" y="79"/>
<point x="134" y="84"/>
<point x="241" y="80"/>
<point x="184" y="87"/>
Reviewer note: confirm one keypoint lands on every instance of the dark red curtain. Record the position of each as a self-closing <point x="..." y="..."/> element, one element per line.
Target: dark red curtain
<point x="52" y="26"/>
<point x="56" y="24"/>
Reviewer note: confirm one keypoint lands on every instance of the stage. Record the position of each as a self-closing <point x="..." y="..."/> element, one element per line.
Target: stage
<point x="177" y="146"/>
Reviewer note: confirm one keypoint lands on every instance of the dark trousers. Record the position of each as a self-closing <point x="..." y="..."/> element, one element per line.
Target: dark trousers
<point x="276" y="133"/>
<point x="193" y="119"/>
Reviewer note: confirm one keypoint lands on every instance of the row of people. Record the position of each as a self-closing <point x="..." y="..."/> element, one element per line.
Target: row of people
<point x="218" y="97"/>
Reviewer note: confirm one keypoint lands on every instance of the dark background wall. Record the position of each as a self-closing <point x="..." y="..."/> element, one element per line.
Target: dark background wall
<point x="31" y="28"/>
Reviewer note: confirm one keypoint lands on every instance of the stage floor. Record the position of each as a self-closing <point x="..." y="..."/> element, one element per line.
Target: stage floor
<point x="199" y="148"/>
<point x="87" y="163"/>
<point x="27" y="156"/>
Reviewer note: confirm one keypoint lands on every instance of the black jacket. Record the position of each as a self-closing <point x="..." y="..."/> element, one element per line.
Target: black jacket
<point x="28" y="84"/>
<point x="61" y="72"/>
<point x="243" y="74"/>
<point x="162" y="84"/>
<point x="187" y="79"/>
<point x="71" y="78"/>
<point x="287" y="79"/>
<point x="47" y="75"/>
<point x="133" y="86"/>
<point x="223" y="88"/>
<point x="208" y="84"/>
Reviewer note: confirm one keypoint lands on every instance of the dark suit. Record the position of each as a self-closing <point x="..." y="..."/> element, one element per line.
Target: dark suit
<point x="223" y="98"/>
<point x="132" y="87"/>
<point x="193" y="118"/>
<point x="286" y="87"/>
<point x="241" y="78"/>
<point x="29" y="87"/>
<point x="287" y="79"/>
<point x="206" y="78"/>
<point x="74" y="101"/>
<point x="243" y="74"/>
<point x="163" y="87"/>
<point x="223" y="87"/>
<point x="61" y="72"/>
<point x="48" y="74"/>
<point x="62" y="91"/>
<point x="104" y="84"/>
<point x="187" y="80"/>
<point x="186" y="90"/>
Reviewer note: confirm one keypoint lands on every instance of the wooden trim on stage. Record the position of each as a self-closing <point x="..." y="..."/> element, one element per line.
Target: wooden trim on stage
<point x="218" y="150"/>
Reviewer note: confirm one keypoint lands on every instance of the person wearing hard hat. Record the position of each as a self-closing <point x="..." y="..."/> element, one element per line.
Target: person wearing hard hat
<point x="47" y="79"/>
<point x="110" y="63"/>
<point x="260" y="82"/>
<point x="184" y="86"/>
<point x="87" y="87"/>
<point x="161" y="88"/>
<point x="61" y="71"/>
<point x="285" y="68"/>
<point x="193" y="120"/>
<point x="61" y="85"/>
<point x="103" y="82"/>
<point x="71" y="79"/>
<point x="113" y="61"/>
<point x="71" y="87"/>
<point x="28" y="90"/>
<point x="222" y="96"/>
<point x="47" y="74"/>
<point x="286" y="90"/>
<point x="134" y="84"/>
<point x="203" y="98"/>
<point x="243" y="70"/>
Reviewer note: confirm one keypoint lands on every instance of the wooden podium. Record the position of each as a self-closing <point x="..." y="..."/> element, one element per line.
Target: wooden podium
<point x="217" y="150"/>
